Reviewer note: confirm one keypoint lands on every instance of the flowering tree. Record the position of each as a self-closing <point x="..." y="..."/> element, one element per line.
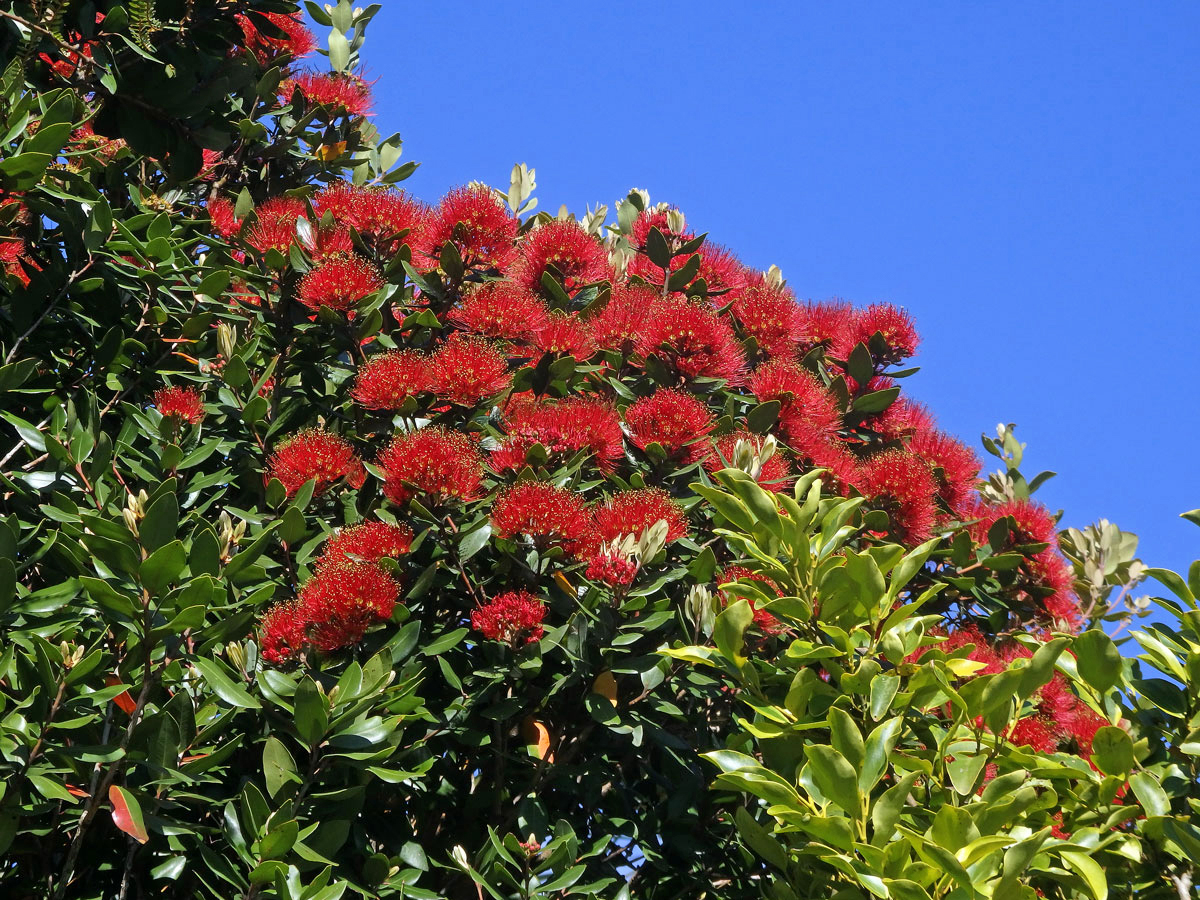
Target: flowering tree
<point x="354" y="545"/>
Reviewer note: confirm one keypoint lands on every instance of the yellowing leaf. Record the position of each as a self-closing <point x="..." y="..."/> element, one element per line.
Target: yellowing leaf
<point x="564" y="583"/>
<point x="328" y="152"/>
<point x="537" y="736"/>
<point x="964" y="668"/>
<point x="606" y="686"/>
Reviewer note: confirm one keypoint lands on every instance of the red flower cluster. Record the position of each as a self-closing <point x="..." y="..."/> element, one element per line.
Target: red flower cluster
<point x="501" y="310"/>
<point x="565" y="250"/>
<point x="476" y="222"/>
<point x="387" y="380"/>
<point x="224" y="220"/>
<point x="389" y="218"/>
<point x="369" y="542"/>
<point x="514" y="618"/>
<point x="901" y="485"/>
<point x="466" y="370"/>
<point x="563" y="428"/>
<point x="676" y="421"/>
<point x="314" y="453"/>
<point x="334" y="610"/>
<point x="775" y="475"/>
<point x="339" y="283"/>
<point x="763" y="620"/>
<point x="275" y="224"/>
<point x="339" y="92"/>
<point x="184" y="404"/>
<point x="693" y="341"/>
<point x="287" y="36"/>
<point x="632" y="512"/>
<point x="549" y="516"/>
<point x="432" y="463"/>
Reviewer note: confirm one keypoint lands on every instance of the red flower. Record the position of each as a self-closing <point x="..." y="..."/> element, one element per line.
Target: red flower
<point x="296" y="40"/>
<point x="436" y="464"/>
<point x="550" y="516"/>
<point x="328" y="240"/>
<point x="466" y="370"/>
<point x="826" y="324"/>
<point x="339" y="283"/>
<point x="765" y="622"/>
<point x="902" y="418"/>
<point x="633" y="512"/>
<point x="563" y="428"/>
<point x="333" y="89"/>
<point x="476" y="221"/>
<point x="563" y="334"/>
<point x="804" y="403"/>
<point x="275" y="224"/>
<point x="693" y="341"/>
<point x="894" y="325"/>
<point x="387" y="380"/>
<point x="314" y="453"/>
<point x="281" y="633"/>
<point x="817" y="449"/>
<point x="612" y="569"/>
<point x="901" y="485"/>
<point x="564" y="248"/>
<point x="224" y="221"/>
<point x="955" y="466"/>
<point x="501" y="310"/>
<point x="184" y="404"/>
<point x="380" y="214"/>
<point x="514" y="617"/>
<point x="620" y="324"/>
<point x="776" y="474"/>
<point x="770" y="315"/>
<point x="370" y="541"/>
<point x="676" y="421"/>
<point x="342" y="600"/>
<point x="654" y="218"/>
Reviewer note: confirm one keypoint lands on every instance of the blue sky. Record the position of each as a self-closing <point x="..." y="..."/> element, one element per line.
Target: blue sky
<point x="1022" y="177"/>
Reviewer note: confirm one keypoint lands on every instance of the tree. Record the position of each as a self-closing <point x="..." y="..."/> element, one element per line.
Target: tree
<point x="359" y="546"/>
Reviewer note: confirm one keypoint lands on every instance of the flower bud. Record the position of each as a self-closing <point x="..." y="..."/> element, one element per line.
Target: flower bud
<point x="226" y="340"/>
<point x="676" y="221"/>
<point x="237" y="655"/>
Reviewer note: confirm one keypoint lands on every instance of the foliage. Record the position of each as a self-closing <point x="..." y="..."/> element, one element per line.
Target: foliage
<point x="344" y="535"/>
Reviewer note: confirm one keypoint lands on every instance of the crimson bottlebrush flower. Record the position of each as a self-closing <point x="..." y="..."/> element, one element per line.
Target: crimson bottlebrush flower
<point x="326" y="241"/>
<point x="184" y="404"/>
<point x="85" y="140"/>
<point x="436" y="464"/>
<point x="281" y="633"/>
<point x="654" y="218"/>
<point x="501" y="310"/>
<point x="619" y="326"/>
<point x="676" y="421"/>
<point x="770" y="314"/>
<point x="826" y="324"/>
<point x="476" y="221"/>
<point x="574" y="256"/>
<point x="1049" y="586"/>
<point x="955" y="465"/>
<point x="338" y="91"/>
<point x="634" y="511"/>
<point x="379" y="214"/>
<point x="1035" y="732"/>
<point x="339" y="283"/>
<point x="513" y="618"/>
<point x="901" y="485"/>
<point x="693" y="341"/>
<point x="274" y="227"/>
<point x="296" y="40"/>
<point x="817" y="449"/>
<point x="550" y="516"/>
<point x="613" y="569"/>
<point x="342" y="600"/>
<point x="466" y="370"/>
<point x="902" y="419"/>
<point x="563" y="334"/>
<point x="387" y="380"/>
<point x="14" y="257"/>
<point x="763" y="620"/>
<point x="803" y="401"/>
<point x="369" y="541"/>
<point x="562" y="427"/>
<point x="315" y="453"/>
<point x="224" y="220"/>
<point x="775" y="475"/>
<point x="893" y="324"/>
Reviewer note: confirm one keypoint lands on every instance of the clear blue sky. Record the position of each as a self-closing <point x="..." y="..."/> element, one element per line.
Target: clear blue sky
<point x="1023" y="177"/>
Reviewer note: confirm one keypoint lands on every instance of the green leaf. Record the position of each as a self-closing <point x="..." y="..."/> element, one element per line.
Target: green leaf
<point x="729" y="631"/>
<point x="880" y="743"/>
<point x="846" y="737"/>
<point x="445" y="642"/>
<point x="1097" y="659"/>
<point x="1113" y="750"/>
<point x="762" y="418"/>
<point x="835" y="777"/>
<point x="159" y="524"/>
<point x="657" y="249"/>
<point x="1150" y="794"/>
<point x="312" y="712"/>
<point x="1089" y="870"/>
<point x="279" y="769"/>
<point x="162" y="567"/>
<point x="953" y="828"/>
<point x="224" y="686"/>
